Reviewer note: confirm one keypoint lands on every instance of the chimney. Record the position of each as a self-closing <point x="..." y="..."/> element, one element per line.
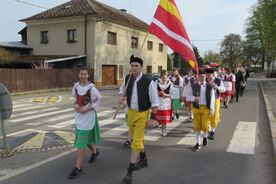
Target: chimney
<point x="123" y="10"/>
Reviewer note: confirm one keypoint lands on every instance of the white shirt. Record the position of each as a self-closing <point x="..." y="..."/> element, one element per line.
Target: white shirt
<point x="178" y="88"/>
<point x="153" y="94"/>
<point x="86" y="121"/>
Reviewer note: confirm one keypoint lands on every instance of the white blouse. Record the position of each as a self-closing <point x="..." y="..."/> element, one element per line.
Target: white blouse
<point x="86" y="121"/>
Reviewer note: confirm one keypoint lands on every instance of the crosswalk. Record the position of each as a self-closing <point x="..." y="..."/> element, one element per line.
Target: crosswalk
<point x="44" y="119"/>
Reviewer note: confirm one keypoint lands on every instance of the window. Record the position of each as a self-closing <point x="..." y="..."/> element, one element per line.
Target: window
<point x="111" y="38"/>
<point x="134" y="42"/>
<point x="44" y="37"/>
<point x="149" y="69"/>
<point x="159" y="69"/>
<point x="160" y="47"/>
<point x="150" y="45"/>
<point x="71" y="35"/>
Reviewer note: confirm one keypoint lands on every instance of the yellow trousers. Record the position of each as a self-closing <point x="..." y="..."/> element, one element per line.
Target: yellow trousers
<point x="214" y="120"/>
<point x="201" y="118"/>
<point x="137" y="122"/>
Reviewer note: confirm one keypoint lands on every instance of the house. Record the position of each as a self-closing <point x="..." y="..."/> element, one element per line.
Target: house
<point x="104" y="35"/>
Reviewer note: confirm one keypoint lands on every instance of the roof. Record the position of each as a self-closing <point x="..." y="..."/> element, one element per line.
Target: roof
<point x="14" y="45"/>
<point x="91" y="7"/>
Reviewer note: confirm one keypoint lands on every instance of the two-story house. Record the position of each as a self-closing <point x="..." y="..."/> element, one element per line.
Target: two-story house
<point x="104" y="35"/>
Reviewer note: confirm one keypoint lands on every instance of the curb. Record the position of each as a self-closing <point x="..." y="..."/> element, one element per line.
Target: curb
<point x="271" y="118"/>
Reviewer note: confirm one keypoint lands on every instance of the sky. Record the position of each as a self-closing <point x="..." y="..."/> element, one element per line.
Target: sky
<point x="206" y="21"/>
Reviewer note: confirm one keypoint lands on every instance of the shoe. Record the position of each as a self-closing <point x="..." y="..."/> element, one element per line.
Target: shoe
<point x="231" y="101"/>
<point x="205" y="141"/>
<point x="190" y="120"/>
<point x="127" y="179"/>
<point x="211" y="136"/>
<point x="127" y="144"/>
<point x="74" y="173"/>
<point x="94" y="156"/>
<point x="164" y="134"/>
<point x="226" y="106"/>
<point x="177" y="115"/>
<point x="197" y="147"/>
<point x="141" y="164"/>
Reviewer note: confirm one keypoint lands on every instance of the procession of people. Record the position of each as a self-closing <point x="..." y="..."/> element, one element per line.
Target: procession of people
<point x="148" y="103"/>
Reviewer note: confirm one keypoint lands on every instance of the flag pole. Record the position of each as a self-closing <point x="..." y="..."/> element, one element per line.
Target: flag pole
<point x="127" y="84"/>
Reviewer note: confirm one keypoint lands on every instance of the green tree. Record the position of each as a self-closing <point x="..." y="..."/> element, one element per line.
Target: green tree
<point x="198" y="57"/>
<point x="231" y="49"/>
<point x="212" y="57"/>
<point x="169" y="63"/>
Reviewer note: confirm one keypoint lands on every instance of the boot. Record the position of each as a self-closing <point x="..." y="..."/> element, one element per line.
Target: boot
<point x="128" y="177"/>
<point x="143" y="162"/>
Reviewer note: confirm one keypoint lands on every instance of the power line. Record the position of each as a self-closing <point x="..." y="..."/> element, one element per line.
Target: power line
<point x="207" y="40"/>
<point x="31" y="4"/>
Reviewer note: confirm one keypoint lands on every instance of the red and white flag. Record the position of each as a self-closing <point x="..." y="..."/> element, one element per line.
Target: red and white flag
<point x="168" y="26"/>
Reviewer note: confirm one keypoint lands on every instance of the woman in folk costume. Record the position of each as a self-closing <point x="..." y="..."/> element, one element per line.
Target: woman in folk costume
<point x="203" y="108"/>
<point x="165" y="91"/>
<point x="219" y="88"/>
<point x="87" y="101"/>
<point x="176" y="98"/>
<point x="187" y="93"/>
<point x="228" y="81"/>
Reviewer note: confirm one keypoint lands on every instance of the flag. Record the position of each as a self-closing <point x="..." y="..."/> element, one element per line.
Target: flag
<point x="168" y="26"/>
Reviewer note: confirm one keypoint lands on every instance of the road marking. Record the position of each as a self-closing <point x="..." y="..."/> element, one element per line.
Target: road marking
<point x="155" y="134"/>
<point x="116" y="131"/>
<point x="41" y="115"/>
<point x="19" y="132"/>
<point x="27" y="108"/>
<point x="21" y="105"/>
<point x="63" y="124"/>
<point x="22" y="170"/>
<point x="67" y="136"/>
<point x="35" y="142"/>
<point x="106" y="112"/>
<point x="107" y="121"/>
<point x="243" y="140"/>
<point x="188" y="140"/>
<point x="52" y="120"/>
<point x="33" y="112"/>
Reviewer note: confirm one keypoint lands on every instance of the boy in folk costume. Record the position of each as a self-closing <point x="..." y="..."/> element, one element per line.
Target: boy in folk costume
<point x="165" y="91"/>
<point x="141" y="96"/>
<point x="203" y="108"/>
<point x="218" y="87"/>
<point x="178" y="85"/>
<point x="87" y="101"/>
<point x="188" y="94"/>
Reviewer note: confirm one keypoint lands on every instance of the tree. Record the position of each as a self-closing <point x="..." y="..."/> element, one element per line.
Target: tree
<point x="212" y="57"/>
<point x="169" y="63"/>
<point x="180" y="63"/>
<point x="6" y="56"/>
<point x="198" y="57"/>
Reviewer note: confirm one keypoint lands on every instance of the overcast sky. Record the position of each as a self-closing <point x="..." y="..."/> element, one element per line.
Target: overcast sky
<point x="206" y="21"/>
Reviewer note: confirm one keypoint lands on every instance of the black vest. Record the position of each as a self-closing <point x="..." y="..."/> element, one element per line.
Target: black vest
<point x="196" y="93"/>
<point x="142" y="92"/>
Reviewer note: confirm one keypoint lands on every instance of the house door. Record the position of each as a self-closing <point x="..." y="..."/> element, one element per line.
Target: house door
<point x="108" y="75"/>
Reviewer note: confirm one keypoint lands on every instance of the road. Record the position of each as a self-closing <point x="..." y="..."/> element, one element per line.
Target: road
<point x="242" y="152"/>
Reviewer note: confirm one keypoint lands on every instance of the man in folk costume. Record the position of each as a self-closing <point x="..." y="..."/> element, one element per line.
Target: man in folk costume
<point x="203" y="108"/>
<point x="165" y="91"/>
<point x="218" y="87"/>
<point x="177" y="81"/>
<point x="141" y="97"/>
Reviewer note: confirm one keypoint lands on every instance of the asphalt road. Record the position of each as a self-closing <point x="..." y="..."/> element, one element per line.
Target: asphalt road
<point x="232" y="158"/>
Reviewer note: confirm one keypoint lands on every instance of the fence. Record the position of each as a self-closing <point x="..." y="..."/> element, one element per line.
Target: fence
<point x="18" y="80"/>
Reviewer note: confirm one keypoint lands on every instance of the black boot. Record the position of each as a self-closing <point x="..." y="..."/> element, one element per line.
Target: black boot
<point x="143" y="162"/>
<point x="177" y="115"/>
<point x="94" y="156"/>
<point x="128" y="177"/>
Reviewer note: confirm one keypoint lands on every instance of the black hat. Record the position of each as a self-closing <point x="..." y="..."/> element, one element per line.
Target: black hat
<point x="136" y="59"/>
<point x="209" y="70"/>
<point x="202" y="72"/>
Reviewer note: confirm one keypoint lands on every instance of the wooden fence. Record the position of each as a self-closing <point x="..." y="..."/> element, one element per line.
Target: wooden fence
<point x="19" y="80"/>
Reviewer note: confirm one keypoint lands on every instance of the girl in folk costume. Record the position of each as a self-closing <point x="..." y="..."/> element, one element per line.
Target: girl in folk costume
<point x="87" y="100"/>
<point x="228" y="81"/>
<point x="178" y="85"/>
<point x="187" y="93"/>
<point x="165" y="91"/>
